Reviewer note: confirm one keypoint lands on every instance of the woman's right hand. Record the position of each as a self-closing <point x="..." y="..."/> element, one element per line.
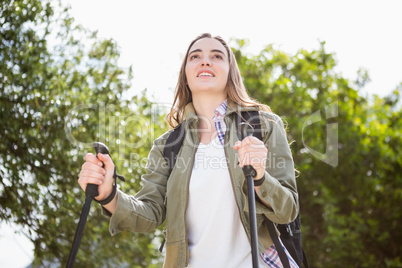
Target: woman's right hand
<point x="93" y="172"/>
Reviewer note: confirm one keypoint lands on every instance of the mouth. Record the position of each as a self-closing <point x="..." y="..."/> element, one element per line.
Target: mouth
<point x="205" y="74"/>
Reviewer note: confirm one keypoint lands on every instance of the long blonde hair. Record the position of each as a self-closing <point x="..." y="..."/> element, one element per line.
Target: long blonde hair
<point x="235" y="88"/>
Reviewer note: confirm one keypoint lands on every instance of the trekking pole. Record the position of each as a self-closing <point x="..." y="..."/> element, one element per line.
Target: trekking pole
<point x="90" y="192"/>
<point x="247" y="130"/>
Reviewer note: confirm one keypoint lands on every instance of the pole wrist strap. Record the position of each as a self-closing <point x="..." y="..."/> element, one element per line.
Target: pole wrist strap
<point x="108" y="199"/>
<point x="260" y="181"/>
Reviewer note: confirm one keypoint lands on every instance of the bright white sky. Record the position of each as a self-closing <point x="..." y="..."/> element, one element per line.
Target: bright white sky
<point x="153" y="35"/>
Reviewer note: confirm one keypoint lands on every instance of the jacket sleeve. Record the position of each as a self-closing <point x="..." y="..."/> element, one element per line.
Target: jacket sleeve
<point x="279" y="188"/>
<point x="146" y="210"/>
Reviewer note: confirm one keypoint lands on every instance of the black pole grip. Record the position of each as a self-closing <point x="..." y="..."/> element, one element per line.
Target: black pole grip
<point x="92" y="189"/>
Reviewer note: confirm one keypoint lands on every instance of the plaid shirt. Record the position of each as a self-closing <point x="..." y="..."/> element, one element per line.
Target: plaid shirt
<point x="219" y="122"/>
<point x="272" y="260"/>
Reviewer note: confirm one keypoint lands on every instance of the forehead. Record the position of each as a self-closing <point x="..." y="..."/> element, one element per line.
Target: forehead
<point x="208" y="44"/>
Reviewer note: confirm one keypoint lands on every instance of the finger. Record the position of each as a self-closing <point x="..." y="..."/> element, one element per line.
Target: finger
<point x="249" y="148"/>
<point x="83" y="182"/>
<point x="252" y="149"/>
<point x="261" y="150"/>
<point x="247" y="141"/>
<point x="107" y="161"/>
<point x="92" y="174"/>
<point x="252" y="153"/>
<point x="250" y="140"/>
<point x="244" y="160"/>
<point x="93" y="167"/>
<point x="237" y="145"/>
<point x="90" y="157"/>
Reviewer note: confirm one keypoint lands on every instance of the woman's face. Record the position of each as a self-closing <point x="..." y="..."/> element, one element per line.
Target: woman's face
<point x="207" y="67"/>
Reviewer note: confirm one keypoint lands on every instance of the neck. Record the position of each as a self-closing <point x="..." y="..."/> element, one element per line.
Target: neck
<point x="205" y="106"/>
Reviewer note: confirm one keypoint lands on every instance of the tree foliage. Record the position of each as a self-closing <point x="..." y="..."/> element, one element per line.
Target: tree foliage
<point x="61" y="89"/>
<point x="349" y="203"/>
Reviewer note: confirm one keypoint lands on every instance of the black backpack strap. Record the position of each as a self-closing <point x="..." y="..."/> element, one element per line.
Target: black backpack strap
<point x="173" y="145"/>
<point x="253" y="118"/>
<point x="171" y="150"/>
<point x="274" y="236"/>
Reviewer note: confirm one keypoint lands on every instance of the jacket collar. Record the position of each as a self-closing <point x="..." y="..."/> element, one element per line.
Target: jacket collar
<point x="234" y="108"/>
<point x="189" y="112"/>
<point x="190" y="115"/>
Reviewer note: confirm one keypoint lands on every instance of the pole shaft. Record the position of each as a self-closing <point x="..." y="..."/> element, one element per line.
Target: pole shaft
<point x="79" y="231"/>
<point x="253" y="220"/>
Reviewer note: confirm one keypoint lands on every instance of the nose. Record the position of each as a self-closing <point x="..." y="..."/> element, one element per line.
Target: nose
<point x="206" y="61"/>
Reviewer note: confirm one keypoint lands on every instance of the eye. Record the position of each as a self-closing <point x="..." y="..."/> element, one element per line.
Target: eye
<point x="194" y="56"/>
<point x="218" y="56"/>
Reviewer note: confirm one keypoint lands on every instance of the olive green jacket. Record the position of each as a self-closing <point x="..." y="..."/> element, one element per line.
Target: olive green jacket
<point x="165" y="196"/>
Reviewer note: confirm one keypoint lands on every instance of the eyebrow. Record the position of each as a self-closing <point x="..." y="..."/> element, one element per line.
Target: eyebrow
<point x="213" y="50"/>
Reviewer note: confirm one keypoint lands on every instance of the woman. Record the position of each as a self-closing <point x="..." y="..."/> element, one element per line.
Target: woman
<point x="203" y="198"/>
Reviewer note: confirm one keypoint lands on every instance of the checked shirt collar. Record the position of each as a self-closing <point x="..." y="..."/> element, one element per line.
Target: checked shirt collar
<point x="219" y="122"/>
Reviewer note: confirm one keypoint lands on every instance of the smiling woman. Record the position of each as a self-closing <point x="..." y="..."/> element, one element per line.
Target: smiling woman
<point x="203" y="204"/>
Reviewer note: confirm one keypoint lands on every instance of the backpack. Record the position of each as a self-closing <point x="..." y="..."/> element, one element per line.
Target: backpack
<point x="290" y="233"/>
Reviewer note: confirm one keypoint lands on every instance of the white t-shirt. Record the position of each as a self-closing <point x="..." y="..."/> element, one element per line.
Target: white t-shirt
<point x="216" y="236"/>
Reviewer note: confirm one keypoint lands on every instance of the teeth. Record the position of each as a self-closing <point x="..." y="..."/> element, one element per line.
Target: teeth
<point x="205" y="74"/>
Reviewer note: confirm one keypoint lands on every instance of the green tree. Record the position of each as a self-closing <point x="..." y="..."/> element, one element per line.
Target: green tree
<point x="349" y="199"/>
<point x="61" y="89"/>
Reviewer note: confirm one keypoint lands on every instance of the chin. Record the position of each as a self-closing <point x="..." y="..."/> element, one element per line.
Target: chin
<point x="207" y="89"/>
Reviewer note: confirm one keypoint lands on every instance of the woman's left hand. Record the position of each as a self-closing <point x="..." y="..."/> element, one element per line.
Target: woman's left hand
<point x="252" y="151"/>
